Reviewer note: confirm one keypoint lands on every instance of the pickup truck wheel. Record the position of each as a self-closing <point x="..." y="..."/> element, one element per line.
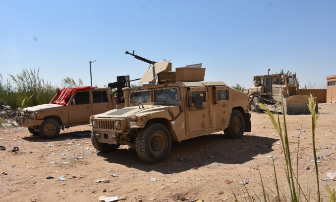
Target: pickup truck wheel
<point x="153" y="143"/>
<point x="102" y="147"/>
<point x="49" y="128"/>
<point x="236" y="126"/>
<point x="33" y="131"/>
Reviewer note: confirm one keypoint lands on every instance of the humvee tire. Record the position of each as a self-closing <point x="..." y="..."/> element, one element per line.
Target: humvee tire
<point x="33" y="131"/>
<point x="102" y="147"/>
<point x="153" y="143"/>
<point x="49" y="128"/>
<point x="236" y="125"/>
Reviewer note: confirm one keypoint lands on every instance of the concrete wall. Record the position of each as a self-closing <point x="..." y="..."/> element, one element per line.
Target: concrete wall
<point x="331" y="89"/>
<point x="321" y="94"/>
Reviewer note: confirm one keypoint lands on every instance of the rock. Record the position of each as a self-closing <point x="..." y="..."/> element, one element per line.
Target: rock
<point x="50" y="177"/>
<point x="114" y="175"/>
<point x="153" y="179"/>
<point x="228" y="181"/>
<point x="5" y="173"/>
<point x="179" y="196"/>
<point x="212" y="157"/>
<point x="175" y="181"/>
<point x="186" y="159"/>
<point x="53" y="162"/>
<point x="61" y="178"/>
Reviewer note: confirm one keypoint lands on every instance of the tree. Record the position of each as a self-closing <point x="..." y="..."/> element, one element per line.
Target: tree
<point x="237" y="87"/>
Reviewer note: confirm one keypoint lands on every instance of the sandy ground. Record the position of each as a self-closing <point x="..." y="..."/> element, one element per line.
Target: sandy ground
<point x="200" y="168"/>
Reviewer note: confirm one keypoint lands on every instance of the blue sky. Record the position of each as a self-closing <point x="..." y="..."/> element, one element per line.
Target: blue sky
<point x="234" y="39"/>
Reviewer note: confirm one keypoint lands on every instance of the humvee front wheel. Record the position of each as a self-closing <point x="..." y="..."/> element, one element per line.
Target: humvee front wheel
<point x="153" y="143"/>
<point x="102" y="147"/>
<point x="33" y="131"/>
<point x="236" y="126"/>
<point x="49" y="128"/>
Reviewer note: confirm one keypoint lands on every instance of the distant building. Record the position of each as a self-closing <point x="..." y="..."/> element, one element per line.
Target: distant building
<point x="331" y="89"/>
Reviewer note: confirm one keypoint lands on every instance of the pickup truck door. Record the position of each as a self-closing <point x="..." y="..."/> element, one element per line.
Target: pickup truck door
<point x="101" y="101"/>
<point x="80" y="108"/>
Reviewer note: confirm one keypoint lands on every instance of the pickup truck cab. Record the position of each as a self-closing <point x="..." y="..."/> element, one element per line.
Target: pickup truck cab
<point x="70" y="107"/>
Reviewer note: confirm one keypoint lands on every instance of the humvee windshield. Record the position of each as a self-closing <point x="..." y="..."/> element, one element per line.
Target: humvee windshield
<point x="140" y="97"/>
<point x="165" y="95"/>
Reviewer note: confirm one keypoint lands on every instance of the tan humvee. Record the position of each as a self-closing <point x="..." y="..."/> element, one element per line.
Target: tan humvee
<point x="178" y="107"/>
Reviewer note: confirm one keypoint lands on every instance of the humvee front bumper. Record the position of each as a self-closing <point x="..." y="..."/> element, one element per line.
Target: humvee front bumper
<point x="106" y="136"/>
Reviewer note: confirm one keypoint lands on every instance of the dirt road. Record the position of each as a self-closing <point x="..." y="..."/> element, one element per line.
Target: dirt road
<point x="209" y="168"/>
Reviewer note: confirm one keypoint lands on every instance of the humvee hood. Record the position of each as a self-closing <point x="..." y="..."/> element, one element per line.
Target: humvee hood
<point x="42" y="107"/>
<point x="129" y="111"/>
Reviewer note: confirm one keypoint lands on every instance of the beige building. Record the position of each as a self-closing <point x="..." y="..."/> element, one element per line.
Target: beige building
<point x="331" y="89"/>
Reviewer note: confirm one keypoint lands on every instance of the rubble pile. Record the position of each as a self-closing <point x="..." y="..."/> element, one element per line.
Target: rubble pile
<point x="7" y="115"/>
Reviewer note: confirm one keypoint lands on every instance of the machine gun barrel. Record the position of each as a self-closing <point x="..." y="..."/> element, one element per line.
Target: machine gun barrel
<point x="140" y="58"/>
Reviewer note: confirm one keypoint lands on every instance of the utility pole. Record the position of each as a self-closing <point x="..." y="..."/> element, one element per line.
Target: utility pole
<point x="91" y="71"/>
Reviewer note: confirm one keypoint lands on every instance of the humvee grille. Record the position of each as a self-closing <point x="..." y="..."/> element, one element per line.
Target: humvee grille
<point x="105" y="124"/>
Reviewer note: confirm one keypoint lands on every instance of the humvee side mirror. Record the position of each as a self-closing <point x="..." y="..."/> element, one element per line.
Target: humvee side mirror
<point x="73" y="102"/>
<point x="198" y="102"/>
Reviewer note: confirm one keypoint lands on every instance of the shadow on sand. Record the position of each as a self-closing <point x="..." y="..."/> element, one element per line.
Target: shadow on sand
<point x="197" y="152"/>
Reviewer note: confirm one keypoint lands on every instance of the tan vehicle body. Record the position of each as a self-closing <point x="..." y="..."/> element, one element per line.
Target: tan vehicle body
<point x="181" y="103"/>
<point x="277" y="89"/>
<point x="74" y="113"/>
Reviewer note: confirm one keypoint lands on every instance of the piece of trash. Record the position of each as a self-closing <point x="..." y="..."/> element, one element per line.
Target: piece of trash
<point x="53" y="154"/>
<point x="175" y="181"/>
<point x="272" y="157"/>
<point x="5" y="173"/>
<point x="316" y="161"/>
<point x="278" y="143"/>
<point x="330" y="130"/>
<point x="153" y="179"/>
<point x="15" y="124"/>
<point x="103" y="180"/>
<point x="198" y="179"/>
<point x="70" y="143"/>
<point x="15" y="149"/>
<point x="186" y="159"/>
<point x="319" y="157"/>
<point x="87" y="148"/>
<point x="1" y="138"/>
<point x="325" y="179"/>
<point x="114" y="175"/>
<point x="108" y="199"/>
<point x="228" y="181"/>
<point x="53" y="162"/>
<point x="50" y="177"/>
<point x="61" y="178"/>
<point x="13" y="165"/>
<point x="65" y="162"/>
<point x="50" y="145"/>
<point x="332" y="176"/>
<point x="2" y="148"/>
<point x="244" y="182"/>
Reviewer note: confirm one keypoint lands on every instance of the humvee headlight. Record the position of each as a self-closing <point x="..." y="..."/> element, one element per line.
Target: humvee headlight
<point x="118" y="125"/>
<point x="94" y="124"/>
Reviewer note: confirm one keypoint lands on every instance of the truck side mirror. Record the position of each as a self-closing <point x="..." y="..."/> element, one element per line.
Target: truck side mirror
<point x="198" y="102"/>
<point x="73" y="102"/>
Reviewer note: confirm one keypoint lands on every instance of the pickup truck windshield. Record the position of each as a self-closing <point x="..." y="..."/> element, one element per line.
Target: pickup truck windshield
<point x="140" y="97"/>
<point x="165" y="95"/>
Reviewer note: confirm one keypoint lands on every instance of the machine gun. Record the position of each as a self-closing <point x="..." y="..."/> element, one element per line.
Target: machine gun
<point x="140" y="58"/>
<point x="122" y="82"/>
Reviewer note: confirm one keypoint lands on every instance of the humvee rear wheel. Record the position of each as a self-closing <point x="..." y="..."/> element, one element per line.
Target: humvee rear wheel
<point x="49" y="128"/>
<point x="153" y="143"/>
<point x="102" y="147"/>
<point x="33" y="131"/>
<point x="236" y="126"/>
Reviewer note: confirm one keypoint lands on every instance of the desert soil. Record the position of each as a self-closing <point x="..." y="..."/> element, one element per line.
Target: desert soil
<point x="208" y="168"/>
